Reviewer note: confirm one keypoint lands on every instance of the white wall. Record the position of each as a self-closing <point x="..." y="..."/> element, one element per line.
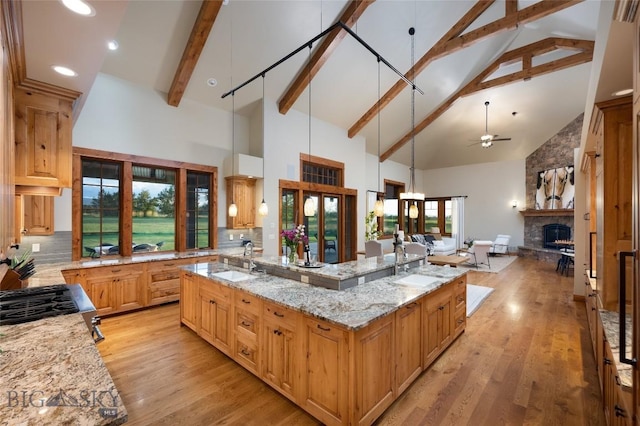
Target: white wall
<point x="490" y="188"/>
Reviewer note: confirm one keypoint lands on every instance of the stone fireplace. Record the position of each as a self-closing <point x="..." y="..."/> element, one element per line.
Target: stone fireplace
<point x="556" y="152"/>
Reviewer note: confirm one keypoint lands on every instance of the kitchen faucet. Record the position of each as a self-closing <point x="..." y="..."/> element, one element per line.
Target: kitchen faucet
<point x="398" y="246"/>
<point x="249" y="246"/>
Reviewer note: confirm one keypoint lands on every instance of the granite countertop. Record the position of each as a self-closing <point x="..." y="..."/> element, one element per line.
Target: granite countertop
<point x="52" y="374"/>
<point x="50" y="273"/>
<point x="352" y="308"/>
<point x="610" y="324"/>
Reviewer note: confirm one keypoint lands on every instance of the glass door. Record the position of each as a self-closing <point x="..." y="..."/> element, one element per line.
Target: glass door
<point x="311" y="224"/>
<point x="330" y="226"/>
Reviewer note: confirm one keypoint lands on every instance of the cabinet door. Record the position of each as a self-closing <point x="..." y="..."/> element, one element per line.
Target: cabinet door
<point x="37" y="214"/>
<point x="241" y="190"/>
<point x="215" y="321"/>
<point x="189" y="300"/>
<point x="280" y="349"/>
<point x="374" y="365"/>
<point x="103" y="295"/>
<point x="43" y="140"/>
<point x="325" y="390"/>
<point x="408" y="345"/>
<point x="438" y="328"/>
<point x="129" y="292"/>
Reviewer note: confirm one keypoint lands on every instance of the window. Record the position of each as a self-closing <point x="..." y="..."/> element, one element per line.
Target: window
<point x="321" y="170"/>
<point x="154" y="197"/>
<point x="392" y="192"/>
<point x="100" y="207"/>
<point x="430" y="215"/>
<point x="198" y="193"/>
<point x="125" y="205"/>
<point x="438" y="212"/>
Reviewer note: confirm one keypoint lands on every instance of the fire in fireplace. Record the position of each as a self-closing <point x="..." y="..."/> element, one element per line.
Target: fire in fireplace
<point x="553" y="232"/>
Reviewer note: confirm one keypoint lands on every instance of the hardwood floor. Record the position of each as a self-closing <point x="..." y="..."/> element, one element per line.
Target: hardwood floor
<point x="525" y="358"/>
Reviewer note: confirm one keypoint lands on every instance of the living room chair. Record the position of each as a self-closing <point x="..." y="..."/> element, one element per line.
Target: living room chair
<point x="500" y="245"/>
<point x="372" y="249"/>
<point x="479" y="253"/>
<point x="416" y="248"/>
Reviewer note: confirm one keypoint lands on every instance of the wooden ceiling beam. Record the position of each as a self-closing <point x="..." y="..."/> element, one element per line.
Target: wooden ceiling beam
<point x="524" y="54"/>
<point x="349" y="17"/>
<point x="199" y="34"/>
<point x="446" y="46"/>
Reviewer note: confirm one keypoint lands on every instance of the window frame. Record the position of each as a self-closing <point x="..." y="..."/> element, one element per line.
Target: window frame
<point x="126" y="193"/>
<point x="441" y="218"/>
<point x="398" y="189"/>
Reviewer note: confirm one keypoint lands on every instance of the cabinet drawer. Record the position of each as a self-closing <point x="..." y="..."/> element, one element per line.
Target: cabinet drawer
<point x="460" y="321"/>
<point x="247" y="324"/>
<point x="218" y="291"/>
<point x="461" y="285"/>
<point x="248" y="302"/>
<point x="460" y="300"/>
<point x="272" y="312"/>
<point x="247" y="355"/>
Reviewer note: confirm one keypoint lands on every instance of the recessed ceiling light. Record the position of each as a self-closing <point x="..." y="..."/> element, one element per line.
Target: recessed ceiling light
<point x="113" y="45"/>
<point x="64" y="71"/>
<point x="622" y="92"/>
<point x="80" y="7"/>
<point x="212" y="82"/>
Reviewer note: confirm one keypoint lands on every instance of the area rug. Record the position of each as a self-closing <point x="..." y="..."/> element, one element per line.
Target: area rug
<point x="475" y="296"/>
<point x="498" y="263"/>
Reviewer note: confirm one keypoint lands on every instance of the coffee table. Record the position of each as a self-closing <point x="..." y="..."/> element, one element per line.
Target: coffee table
<point x="451" y="260"/>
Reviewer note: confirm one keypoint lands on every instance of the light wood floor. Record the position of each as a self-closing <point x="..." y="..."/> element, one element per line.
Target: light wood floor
<point x="525" y="358"/>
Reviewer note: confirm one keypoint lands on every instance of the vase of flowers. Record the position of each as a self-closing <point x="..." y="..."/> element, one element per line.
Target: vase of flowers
<point x="291" y="239"/>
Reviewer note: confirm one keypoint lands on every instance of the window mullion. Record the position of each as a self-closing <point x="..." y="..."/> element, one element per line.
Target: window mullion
<point x="126" y="209"/>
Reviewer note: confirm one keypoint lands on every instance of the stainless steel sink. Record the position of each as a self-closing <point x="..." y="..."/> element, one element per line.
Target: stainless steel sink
<point x="233" y="276"/>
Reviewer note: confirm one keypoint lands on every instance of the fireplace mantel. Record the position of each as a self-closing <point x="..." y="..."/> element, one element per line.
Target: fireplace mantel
<point x="547" y="212"/>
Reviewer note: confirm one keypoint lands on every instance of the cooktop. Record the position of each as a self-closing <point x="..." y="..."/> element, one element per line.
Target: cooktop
<point x="34" y="303"/>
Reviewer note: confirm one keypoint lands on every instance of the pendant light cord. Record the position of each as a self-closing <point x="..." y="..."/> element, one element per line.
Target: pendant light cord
<point x="378" y="109"/>
<point x="412" y="32"/>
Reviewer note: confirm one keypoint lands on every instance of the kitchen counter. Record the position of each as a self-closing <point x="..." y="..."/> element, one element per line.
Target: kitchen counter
<point x="610" y="324"/>
<point x="52" y="374"/>
<point x="50" y="273"/>
<point x="352" y="308"/>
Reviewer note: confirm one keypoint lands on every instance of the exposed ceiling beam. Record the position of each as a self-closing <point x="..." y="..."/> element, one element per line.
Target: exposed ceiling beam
<point x="523" y="54"/>
<point x="199" y="34"/>
<point x="454" y="41"/>
<point x="349" y="17"/>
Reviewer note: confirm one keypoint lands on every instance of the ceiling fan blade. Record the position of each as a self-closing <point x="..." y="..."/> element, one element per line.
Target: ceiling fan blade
<point x="500" y="139"/>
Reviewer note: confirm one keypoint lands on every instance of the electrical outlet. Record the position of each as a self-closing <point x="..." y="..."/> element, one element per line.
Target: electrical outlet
<point x="230" y="237"/>
<point x="35" y="247"/>
<point x="304" y="279"/>
<point x="241" y="236"/>
<point x="360" y="280"/>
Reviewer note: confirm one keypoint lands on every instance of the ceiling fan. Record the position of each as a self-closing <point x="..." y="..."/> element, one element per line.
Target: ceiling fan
<point x="488" y="139"/>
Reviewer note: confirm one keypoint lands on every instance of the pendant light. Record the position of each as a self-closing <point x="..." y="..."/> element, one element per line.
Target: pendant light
<point x="378" y="209"/>
<point x="412" y="195"/>
<point x="233" y="208"/>
<point x="309" y="205"/>
<point x="263" y="210"/>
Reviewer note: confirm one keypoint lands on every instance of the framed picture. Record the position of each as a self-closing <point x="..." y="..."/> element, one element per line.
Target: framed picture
<point x="555" y="189"/>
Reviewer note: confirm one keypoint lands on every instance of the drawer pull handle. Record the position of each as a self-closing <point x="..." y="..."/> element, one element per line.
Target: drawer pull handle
<point x="460" y="321"/>
<point x="279" y="315"/>
<point x="169" y="264"/>
<point x="441" y="308"/>
<point x="116" y="270"/>
<point x="245" y="352"/>
<point x="324" y="329"/>
<point x="619" y="411"/>
<point x="411" y="305"/>
<point x="607" y="361"/>
<point x="248" y="302"/>
<point x="212" y="301"/>
<point x="246" y="324"/>
<point x="277" y="332"/>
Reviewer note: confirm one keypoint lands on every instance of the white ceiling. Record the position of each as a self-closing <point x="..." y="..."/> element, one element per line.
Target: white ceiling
<point x="250" y="35"/>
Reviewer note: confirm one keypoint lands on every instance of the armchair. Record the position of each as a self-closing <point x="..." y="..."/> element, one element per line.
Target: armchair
<point x="500" y="245"/>
<point x="416" y="248"/>
<point x="479" y="253"/>
<point x="372" y="248"/>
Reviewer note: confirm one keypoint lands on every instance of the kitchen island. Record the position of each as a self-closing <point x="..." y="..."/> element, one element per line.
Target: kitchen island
<point x="52" y="374"/>
<point x="343" y="356"/>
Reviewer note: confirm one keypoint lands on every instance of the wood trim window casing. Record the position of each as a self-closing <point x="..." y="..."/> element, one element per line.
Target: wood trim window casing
<point x="322" y="162"/>
<point x="126" y="209"/>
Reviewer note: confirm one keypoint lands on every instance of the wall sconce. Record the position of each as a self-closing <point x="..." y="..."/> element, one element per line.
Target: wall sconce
<point x="514" y="203"/>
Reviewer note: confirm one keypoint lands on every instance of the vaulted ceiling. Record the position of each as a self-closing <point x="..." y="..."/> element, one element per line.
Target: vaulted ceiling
<point x="530" y="59"/>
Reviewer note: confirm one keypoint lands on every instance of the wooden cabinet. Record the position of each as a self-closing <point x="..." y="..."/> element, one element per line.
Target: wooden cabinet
<point x="616" y="400"/>
<point x="280" y="348"/>
<point x="215" y="315"/>
<point x="460" y="305"/>
<point x="438" y="327"/>
<point x="37" y="215"/>
<point x="189" y="300"/>
<point x="408" y="351"/>
<point x="591" y="309"/>
<point x="242" y="191"/>
<point x="115" y="289"/>
<point x="43" y="125"/>
<point x="163" y="281"/>
<point x="326" y="365"/>
<point x="248" y="323"/>
<point x="612" y="126"/>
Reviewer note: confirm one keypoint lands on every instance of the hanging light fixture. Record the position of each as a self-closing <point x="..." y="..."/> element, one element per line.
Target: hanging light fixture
<point x="412" y="195"/>
<point x="263" y="210"/>
<point x="233" y="208"/>
<point x="309" y="205"/>
<point x="378" y="209"/>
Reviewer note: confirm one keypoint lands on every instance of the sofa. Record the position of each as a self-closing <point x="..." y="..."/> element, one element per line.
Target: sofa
<point x="434" y="246"/>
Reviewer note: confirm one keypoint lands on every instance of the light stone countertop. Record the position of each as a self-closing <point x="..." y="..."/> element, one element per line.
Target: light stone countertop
<point x="51" y="373"/>
<point x="610" y="324"/>
<point x="352" y="308"/>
